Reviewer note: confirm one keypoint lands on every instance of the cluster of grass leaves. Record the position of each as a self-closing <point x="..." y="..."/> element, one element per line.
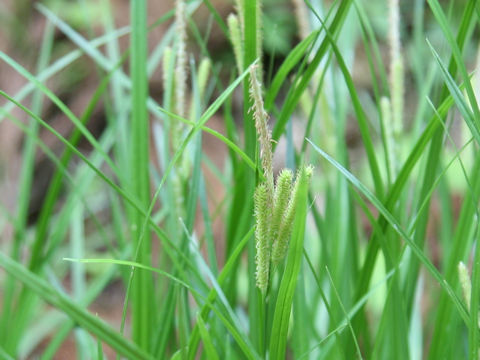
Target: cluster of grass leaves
<point x="363" y="277"/>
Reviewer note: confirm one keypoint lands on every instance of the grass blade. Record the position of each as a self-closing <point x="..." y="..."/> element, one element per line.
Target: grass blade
<point x="142" y="282"/>
<point x="398" y="229"/>
<point x="86" y="320"/>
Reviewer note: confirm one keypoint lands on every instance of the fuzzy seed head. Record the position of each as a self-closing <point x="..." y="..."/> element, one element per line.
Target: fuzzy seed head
<point x="280" y="246"/>
<point x="281" y="197"/>
<point x="262" y="241"/>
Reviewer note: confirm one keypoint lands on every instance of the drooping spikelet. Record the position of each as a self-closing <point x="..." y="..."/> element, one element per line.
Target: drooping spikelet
<point x="262" y="233"/>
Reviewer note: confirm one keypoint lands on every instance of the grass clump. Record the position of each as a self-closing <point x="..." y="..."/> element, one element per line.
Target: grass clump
<point x="180" y="190"/>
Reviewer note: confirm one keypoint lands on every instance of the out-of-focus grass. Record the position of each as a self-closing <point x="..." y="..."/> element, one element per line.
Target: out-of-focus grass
<point x="390" y="211"/>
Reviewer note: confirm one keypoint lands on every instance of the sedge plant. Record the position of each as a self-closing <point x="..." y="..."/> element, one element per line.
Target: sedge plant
<point x="179" y="218"/>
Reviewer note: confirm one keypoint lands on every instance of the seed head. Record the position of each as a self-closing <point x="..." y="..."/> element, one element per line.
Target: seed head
<point x="262" y="233"/>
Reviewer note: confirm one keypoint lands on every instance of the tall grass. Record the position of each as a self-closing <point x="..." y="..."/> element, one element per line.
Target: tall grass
<point x="359" y="259"/>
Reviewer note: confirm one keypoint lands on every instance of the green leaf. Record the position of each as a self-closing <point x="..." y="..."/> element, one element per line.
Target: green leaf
<point x="84" y="319"/>
<point x="399" y="230"/>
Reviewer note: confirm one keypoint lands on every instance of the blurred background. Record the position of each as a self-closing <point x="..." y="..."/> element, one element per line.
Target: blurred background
<point x="23" y="28"/>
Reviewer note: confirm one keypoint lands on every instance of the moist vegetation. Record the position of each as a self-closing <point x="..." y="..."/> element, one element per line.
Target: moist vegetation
<point x="206" y="179"/>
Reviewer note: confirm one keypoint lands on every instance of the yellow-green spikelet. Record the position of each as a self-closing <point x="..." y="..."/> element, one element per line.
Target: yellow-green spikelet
<point x="283" y="189"/>
<point x="262" y="236"/>
<point x="280" y="246"/>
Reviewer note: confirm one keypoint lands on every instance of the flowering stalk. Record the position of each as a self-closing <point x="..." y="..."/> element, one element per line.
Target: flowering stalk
<point x="179" y="83"/>
<point x="264" y="193"/>
<point x="274" y="204"/>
